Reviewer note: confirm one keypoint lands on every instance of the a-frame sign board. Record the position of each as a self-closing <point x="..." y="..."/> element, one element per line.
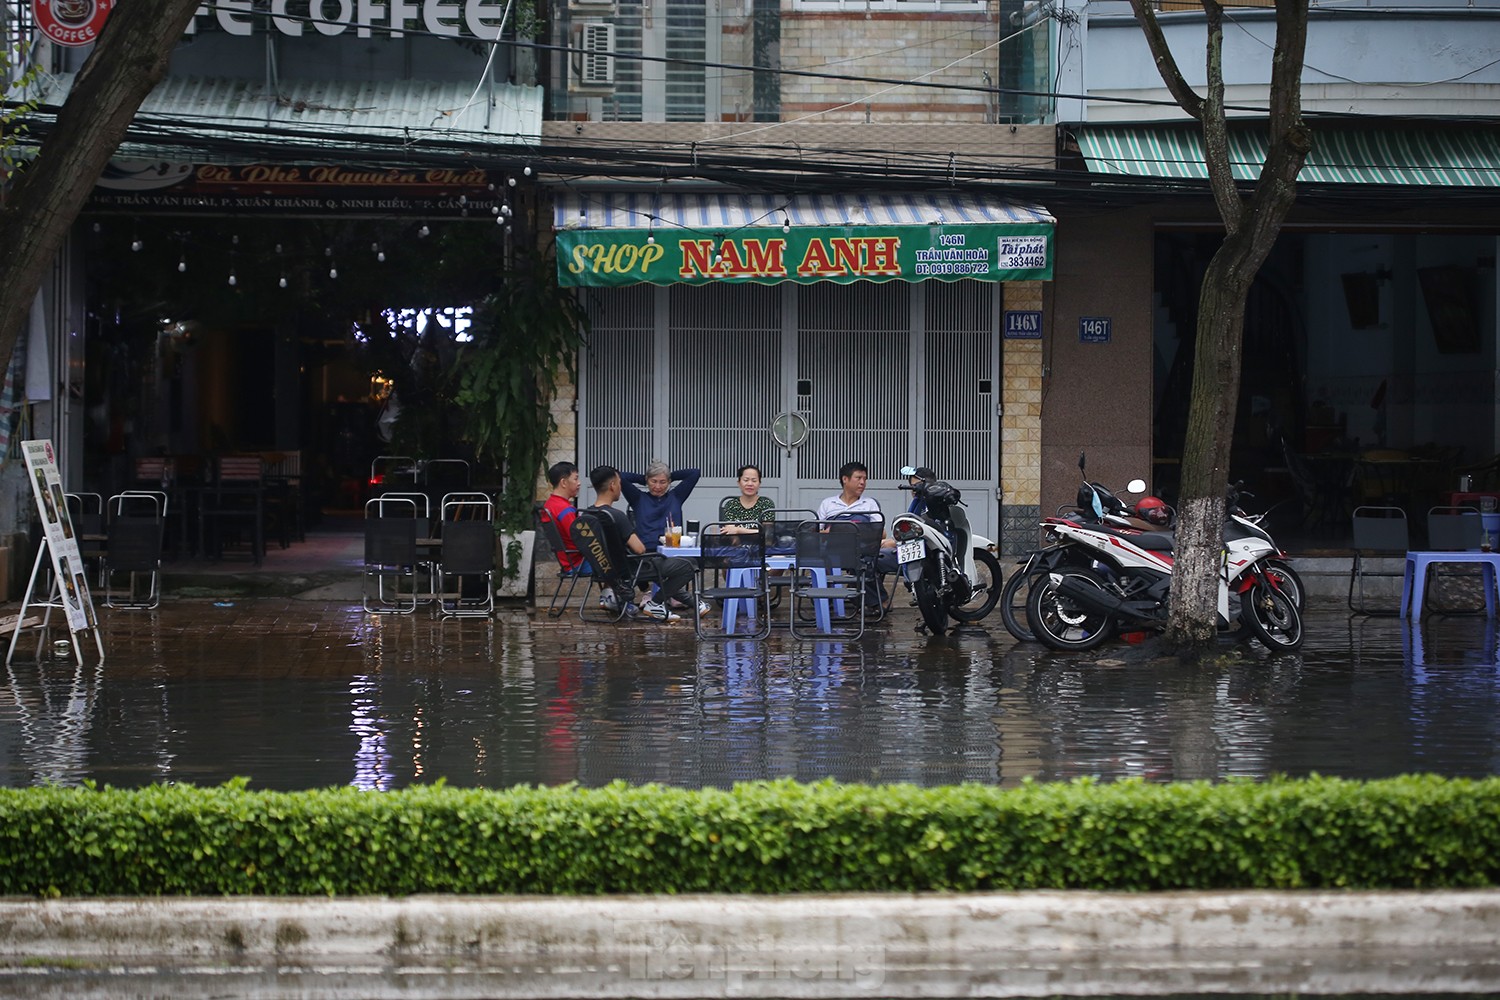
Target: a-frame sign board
<point x="68" y="587"/>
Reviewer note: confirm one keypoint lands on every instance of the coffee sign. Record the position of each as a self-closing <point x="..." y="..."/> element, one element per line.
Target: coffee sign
<point x="71" y="22"/>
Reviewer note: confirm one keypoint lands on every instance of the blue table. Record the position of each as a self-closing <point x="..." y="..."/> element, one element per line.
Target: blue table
<point x="744" y="576"/>
<point x="1414" y="581"/>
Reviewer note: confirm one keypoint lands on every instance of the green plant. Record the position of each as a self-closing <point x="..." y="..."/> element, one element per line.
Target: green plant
<point x="13" y="114"/>
<point x="759" y="837"/>
<point x="525" y="334"/>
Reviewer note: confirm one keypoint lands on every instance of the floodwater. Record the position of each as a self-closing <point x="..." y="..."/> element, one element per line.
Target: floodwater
<point x="295" y="695"/>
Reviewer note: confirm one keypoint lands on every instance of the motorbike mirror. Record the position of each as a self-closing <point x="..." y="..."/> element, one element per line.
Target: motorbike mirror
<point x="1136" y="486"/>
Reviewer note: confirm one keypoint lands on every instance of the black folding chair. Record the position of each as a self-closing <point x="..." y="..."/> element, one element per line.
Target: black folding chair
<point x="569" y="575"/>
<point x="133" y="546"/>
<point x="830" y="567"/>
<point x="1379" y="533"/>
<point x="615" y="571"/>
<point x="737" y="564"/>
<point x="390" y="556"/>
<point x="464" y="577"/>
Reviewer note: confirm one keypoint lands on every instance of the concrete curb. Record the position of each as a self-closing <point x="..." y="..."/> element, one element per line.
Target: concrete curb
<point x="1021" y="944"/>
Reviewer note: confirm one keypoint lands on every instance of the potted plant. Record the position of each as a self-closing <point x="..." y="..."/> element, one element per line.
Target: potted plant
<point x="524" y="334"/>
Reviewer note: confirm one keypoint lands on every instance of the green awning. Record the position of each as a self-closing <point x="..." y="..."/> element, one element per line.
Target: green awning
<point x="696" y="238"/>
<point x="1467" y="158"/>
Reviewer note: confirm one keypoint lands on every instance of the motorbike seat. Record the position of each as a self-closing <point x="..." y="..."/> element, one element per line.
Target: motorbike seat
<point x="1153" y="541"/>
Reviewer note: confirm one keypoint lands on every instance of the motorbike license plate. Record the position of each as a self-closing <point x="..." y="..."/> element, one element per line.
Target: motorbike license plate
<point x="910" y="551"/>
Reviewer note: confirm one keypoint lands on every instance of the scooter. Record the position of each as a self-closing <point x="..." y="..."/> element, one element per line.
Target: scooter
<point x="1105" y="576"/>
<point x="928" y="548"/>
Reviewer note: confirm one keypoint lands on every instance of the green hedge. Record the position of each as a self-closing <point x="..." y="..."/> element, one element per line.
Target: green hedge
<point x="767" y="837"/>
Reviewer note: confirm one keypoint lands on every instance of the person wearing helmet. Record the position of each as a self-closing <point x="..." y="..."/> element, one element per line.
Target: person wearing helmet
<point x="1154" y="510"/>
<point x="913" y="477"/>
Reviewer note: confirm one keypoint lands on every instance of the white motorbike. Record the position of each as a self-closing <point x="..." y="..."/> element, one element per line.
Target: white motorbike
<point x="952" y="572"/>
<point x="1106" y="578"/>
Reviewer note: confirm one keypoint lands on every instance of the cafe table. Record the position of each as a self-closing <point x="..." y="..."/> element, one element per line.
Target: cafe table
<point x="744" y="576"/>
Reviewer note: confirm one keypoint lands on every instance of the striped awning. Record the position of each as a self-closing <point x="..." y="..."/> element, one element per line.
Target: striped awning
<point x="1413" y="157"/>
<point x="718" y="212"/>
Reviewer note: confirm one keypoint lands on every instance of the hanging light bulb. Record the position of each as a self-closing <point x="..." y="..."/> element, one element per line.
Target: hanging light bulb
<point x="98" y="228"/>
<point x="136" y="244"/>
<point x="651" y="238"/>
<point x="494" y="209"/>
<point x="506" y="211"/>
<point x="235" y="239"/>
<point x="282" y="282"/>
<point x="278" y="248"/>
<point x="463" y="199"/>
<point x="527" y="170"/>
<point x="333" y="272"/>
<point x="380" y="256"/>
<point x="511" y="181"/>
<point x="786" y="223"/>
<point x="182" y="265"/>
<point x="232" y="279"/>
<point x="423" y="231"/>
<point x="375" y="247"/>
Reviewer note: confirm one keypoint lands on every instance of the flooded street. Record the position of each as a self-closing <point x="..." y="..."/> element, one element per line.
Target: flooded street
<point x="296" y="695"/>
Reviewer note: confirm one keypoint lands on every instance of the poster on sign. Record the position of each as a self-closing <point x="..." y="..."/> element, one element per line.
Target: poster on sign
<point x="57" y="532"/>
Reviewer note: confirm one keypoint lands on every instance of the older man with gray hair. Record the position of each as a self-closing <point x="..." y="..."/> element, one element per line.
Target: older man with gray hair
<point x="660" y="501"/>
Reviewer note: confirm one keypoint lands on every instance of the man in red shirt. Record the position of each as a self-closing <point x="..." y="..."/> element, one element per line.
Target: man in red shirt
<point x="562" y="508"/>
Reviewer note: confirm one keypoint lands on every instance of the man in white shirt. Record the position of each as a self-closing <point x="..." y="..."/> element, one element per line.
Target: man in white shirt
<point x="851" y="503"/>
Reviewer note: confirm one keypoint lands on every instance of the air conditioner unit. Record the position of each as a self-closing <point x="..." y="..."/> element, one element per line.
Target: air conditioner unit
<point x="593" y="61"/>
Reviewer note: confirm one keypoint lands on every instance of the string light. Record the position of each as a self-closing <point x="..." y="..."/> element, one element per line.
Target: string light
<point x="136" y="244"/>
<point x="333" y="272"/>
<point x="786" y="223"/>
<point x="232" y="279"/>
<point x="423" y="231"/>
<point x="511" y="181"/>
<point x="182" y="264"/>
<point x="282" y="282"/>
<point x="527" y="170"/>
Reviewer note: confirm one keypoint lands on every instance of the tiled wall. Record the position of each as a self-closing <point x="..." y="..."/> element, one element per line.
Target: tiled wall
<point x="1021" y="428"/>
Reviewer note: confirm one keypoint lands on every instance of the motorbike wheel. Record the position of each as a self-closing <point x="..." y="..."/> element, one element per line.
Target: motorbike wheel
<point x="1287" y="579"/>
<point x="985" y="596"/>
<point x="1013" y="604"/>
<point x="930" y="603"/>
<point x="1289" y="582"/>
<point x="1059" y="622"/>
<point x="1273" y="617"/>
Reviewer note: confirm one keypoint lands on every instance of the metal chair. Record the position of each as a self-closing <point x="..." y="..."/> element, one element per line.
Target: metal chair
<point x="390" y="556"/>
<point x="611" y="567"/>
<point x="86" y="511"/>
<point x="1379" y="532"/>
<point x="137" y="521"/>
<point x="830" y="559"/>
<point x="739" y="559"/>
<point x="552" y="532"/>
<point x="467" y="560"/>
<point x="233" y="501"/>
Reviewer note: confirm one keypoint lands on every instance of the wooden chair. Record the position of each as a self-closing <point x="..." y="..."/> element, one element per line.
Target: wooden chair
<point x="232" y="507"/>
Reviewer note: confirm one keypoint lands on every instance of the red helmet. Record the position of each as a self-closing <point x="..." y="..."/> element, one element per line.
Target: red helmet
<point x="1154" y="510"/>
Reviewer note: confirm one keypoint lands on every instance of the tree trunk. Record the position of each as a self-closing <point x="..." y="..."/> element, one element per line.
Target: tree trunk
<point x="1193" y="623"/>
<point x="129" y="59"/>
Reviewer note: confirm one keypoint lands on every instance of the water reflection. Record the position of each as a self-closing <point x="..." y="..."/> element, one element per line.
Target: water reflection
<point x="383" y="702"/>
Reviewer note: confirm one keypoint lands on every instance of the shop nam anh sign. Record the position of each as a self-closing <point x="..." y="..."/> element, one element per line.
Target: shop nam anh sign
<point x="805" y="254"/>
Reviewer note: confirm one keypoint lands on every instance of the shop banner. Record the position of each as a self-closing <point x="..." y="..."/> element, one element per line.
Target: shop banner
<point x="57" y="531"/>
<point x="805" y="254"/>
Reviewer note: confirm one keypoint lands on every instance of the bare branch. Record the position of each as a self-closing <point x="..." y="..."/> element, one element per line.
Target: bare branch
<point x="1166" y="63"/>
<point x="1215" y="128"/>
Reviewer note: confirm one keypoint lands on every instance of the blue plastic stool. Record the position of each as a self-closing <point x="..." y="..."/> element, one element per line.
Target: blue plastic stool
<point x="1414" y="582"/>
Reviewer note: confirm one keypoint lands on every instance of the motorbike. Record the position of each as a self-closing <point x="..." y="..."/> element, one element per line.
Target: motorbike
<point x="1100" y="578"/>
<point x="1094" y="503"/>
<point x="952" y="572"/>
